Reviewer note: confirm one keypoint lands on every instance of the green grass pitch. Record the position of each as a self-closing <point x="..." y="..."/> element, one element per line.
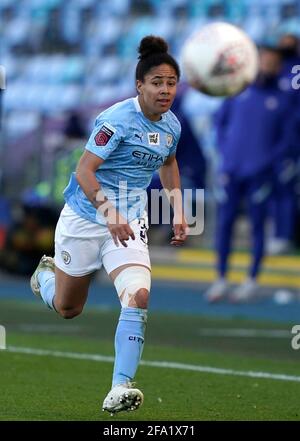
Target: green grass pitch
<point x="45" y="387"/>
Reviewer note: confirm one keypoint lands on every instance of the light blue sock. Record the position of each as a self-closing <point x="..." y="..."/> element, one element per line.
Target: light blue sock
<point x="129" y="342"/>
<point x="47" y="282"/>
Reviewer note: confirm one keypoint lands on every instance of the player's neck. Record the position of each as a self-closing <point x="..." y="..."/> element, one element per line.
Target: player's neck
<point x="154" y="117"/>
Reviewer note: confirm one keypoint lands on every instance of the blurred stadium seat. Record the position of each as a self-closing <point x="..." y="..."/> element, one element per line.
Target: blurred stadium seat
<point x="85" y="52"/>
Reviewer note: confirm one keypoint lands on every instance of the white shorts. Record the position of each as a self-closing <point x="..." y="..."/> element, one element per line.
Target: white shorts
<point x="81" y="246"/>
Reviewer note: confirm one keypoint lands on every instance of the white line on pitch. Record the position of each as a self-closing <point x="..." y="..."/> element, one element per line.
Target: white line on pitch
<point x="159" y="364"/>
<point x="236" y="332"/>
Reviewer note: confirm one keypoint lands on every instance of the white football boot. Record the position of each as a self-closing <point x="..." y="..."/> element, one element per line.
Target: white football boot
<point x="245" y="292"/>
<point x="277" y="246"/>
<point x="123" y="397"/>
<point x="217" y="291"/>
<point x="46" y="264"/>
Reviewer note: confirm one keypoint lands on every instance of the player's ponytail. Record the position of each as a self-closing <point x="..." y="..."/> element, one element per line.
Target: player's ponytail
<point x="152" y="45"/>
<point x="153" y="52"/>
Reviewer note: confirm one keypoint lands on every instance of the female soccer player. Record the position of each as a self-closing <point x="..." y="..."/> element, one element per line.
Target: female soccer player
<point x="103" y="220"/>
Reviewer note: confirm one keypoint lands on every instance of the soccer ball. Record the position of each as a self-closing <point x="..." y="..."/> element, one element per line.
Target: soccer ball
<point x="219" y="60"/>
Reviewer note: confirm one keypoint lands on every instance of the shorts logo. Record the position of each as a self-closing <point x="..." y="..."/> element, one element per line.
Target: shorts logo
<point x="143" y="231"/>
<point x="153" y="138"/>
<point x="104" y="135"/>
<point x="169" y="139"/>
<point x="66" y="257"/>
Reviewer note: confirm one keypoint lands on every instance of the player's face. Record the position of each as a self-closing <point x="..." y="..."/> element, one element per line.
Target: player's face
<point x="157" y="91"/>
<point x="269" y="63"/>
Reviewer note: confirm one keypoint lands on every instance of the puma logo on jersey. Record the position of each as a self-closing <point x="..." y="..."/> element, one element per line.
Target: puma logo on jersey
<point x="139" y="136"/>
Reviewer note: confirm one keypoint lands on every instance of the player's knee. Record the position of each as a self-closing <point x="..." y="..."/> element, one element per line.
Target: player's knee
<point x="133" y="287"/>
<point x="141" y="298"/>
<point x="69" y="313"/>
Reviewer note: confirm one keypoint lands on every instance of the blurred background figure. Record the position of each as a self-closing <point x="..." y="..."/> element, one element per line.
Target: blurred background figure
<point x="283" y="203"/>
<point x="30" y="234"/>
<point x="74" y="127"/>
<point x="5" y="220"/>
<point x="289" y="48"/>
<point x="253" y="135"/>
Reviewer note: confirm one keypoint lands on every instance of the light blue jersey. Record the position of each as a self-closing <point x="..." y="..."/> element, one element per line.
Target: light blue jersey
<point x="133" y="147"/>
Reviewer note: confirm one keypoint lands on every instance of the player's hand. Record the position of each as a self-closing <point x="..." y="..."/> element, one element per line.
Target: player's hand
<point x="180" y="233"/>
<point x="120" y="230"/>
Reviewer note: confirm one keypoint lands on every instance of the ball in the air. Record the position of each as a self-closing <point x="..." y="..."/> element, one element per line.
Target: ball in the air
<point x="219" y="60"/>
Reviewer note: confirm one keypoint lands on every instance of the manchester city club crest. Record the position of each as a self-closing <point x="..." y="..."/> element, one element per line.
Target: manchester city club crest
<point x="169" y="139"/>
<point x="66" y="257"/>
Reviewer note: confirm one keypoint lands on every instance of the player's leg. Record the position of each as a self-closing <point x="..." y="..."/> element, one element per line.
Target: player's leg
<point x="133" y="286"/>
<point x="283" y="207"/>
<point x="129" y="269"/>
<point x="258" y="191"/>
<point x="70" y="293"/>
<point x="227" y="211"/>
<point x="132" y="283"/>
<point x="228" y="197"/>
<point x="64" y="293"/>
<point x="258" y="195"/>
<point x="63" y="282"/>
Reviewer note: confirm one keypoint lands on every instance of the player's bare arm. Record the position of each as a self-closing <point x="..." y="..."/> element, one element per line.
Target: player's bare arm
<point x="85" y="175"/>
<point x="170" y="180"/>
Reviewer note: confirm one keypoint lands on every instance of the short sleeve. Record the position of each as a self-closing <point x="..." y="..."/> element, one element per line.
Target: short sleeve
<point x="105" y="138"/>
<point x="175" y="142"/>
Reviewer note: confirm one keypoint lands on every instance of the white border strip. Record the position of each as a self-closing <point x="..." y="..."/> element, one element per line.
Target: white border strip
<point x="159" y="364"/>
